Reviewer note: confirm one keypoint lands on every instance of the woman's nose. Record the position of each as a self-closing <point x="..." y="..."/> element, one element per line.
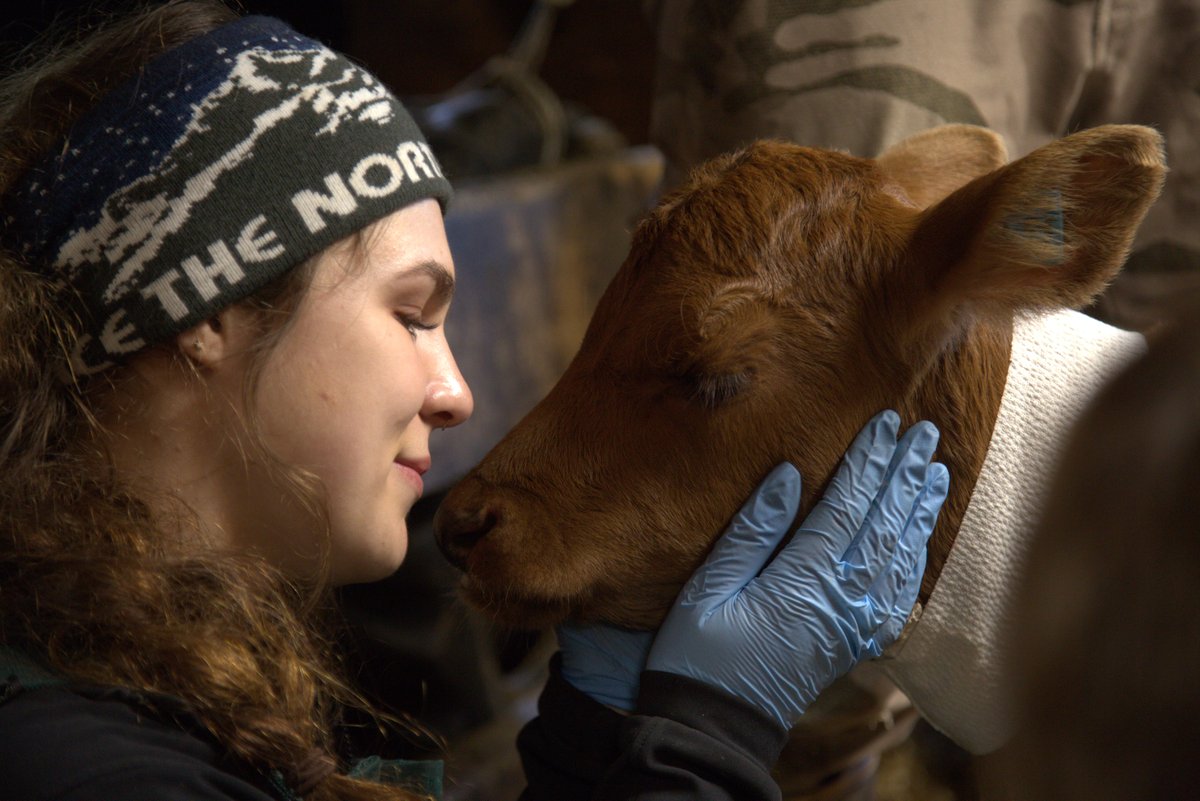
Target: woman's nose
<point x="448" y="399"/>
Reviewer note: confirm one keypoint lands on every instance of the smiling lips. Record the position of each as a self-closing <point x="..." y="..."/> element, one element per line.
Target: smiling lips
<point x="412" y="470"/>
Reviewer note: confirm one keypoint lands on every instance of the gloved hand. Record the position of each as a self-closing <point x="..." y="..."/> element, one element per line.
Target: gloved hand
<point x="776" y="632"/>
<point x="606" y="662"/>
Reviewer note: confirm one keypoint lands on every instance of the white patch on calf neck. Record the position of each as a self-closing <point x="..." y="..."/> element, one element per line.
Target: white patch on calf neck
<point x="950" y="661"/>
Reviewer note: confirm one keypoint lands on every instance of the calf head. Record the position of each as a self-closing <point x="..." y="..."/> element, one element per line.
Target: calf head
<point x="766" y="310"/>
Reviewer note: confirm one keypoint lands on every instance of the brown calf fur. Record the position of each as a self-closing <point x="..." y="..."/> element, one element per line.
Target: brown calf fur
<point x="766" y="310"/>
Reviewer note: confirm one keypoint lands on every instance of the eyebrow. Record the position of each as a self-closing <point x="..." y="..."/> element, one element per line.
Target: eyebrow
<point x="443" y="281"/>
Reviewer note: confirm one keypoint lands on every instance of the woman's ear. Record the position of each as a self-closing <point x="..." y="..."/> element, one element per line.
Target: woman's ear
<point x="214" y="342"/>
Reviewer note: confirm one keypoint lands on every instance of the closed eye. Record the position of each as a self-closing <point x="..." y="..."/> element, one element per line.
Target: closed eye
<point x="712" y="390"/>
<point x="414" y="324"/>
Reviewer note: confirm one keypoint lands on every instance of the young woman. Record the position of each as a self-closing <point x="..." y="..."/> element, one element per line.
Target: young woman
<point x="224" y="278"/>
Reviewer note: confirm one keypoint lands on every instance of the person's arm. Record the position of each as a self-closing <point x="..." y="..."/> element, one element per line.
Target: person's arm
<point x="570" y="745"/>
<point x="750" y="641"/>
<point x="688" y="739"/>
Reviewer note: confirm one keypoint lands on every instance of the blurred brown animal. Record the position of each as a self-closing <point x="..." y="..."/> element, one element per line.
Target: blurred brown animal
<point x="1107" y="625"/>
<point x="766" y="310"/>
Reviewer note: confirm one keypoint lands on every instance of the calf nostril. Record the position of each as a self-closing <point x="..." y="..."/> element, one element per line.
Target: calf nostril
<point x="458" y="532"/>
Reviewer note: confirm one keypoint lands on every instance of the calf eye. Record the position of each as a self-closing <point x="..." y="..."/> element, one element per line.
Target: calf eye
<point x="712" y="390"/>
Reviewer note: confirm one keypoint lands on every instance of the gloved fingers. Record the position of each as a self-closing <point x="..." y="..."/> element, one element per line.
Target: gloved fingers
<point x="838" y="515"/>
<point x="603" y="661"/>
<point x="892" y="588"/>
<point x="748" y="542"/>
<point x="873" y="546"/>
<point x="601" y="640"/>
<point x="889" y="631"/>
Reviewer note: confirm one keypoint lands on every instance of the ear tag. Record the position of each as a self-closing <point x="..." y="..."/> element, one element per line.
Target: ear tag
<point x="1044" y="225"/>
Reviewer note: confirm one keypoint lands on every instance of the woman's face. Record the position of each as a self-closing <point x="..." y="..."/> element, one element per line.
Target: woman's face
<point x="357" y="382"/>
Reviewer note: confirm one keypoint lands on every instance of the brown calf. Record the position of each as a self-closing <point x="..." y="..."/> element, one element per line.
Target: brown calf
<point x="766" y="310"/>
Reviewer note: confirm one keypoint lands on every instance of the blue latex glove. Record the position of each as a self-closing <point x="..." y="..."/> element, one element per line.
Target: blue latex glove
<point x="776" y="632"/>
<point x="606" y="662"/>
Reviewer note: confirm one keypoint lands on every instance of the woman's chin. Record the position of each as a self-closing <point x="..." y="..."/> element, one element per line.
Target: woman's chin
<point x="370" y="565"/>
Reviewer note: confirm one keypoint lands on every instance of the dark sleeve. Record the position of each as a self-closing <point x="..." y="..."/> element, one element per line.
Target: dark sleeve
<point x="686" y="740"/>
<point x="56" y="745"/>
<point x="570" y="745"/>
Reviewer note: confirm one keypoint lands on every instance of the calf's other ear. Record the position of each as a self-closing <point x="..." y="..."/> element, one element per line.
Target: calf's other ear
<point x="1049" y="230"/>
<point x="931" y="164"/>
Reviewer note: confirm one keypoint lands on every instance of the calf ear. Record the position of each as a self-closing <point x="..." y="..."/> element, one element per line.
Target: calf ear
<point x="931" y="164"/>
<point x="1049" y="230"/>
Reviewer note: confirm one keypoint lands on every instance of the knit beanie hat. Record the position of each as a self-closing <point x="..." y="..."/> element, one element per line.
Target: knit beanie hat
<point x="224" y="163"/>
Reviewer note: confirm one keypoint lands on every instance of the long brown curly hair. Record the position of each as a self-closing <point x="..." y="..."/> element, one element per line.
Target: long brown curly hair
<point x="88" y="580"/>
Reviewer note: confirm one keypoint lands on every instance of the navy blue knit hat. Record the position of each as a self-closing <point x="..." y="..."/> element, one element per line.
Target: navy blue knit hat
<point x="224" y="163"/>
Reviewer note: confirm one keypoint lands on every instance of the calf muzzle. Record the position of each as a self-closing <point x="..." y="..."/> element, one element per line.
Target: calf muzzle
<point x="458" y="528"/>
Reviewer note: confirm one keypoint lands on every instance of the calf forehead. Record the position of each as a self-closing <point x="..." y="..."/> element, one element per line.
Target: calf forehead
<point x="774" y="212"/>
<point x="798" y="233"/>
